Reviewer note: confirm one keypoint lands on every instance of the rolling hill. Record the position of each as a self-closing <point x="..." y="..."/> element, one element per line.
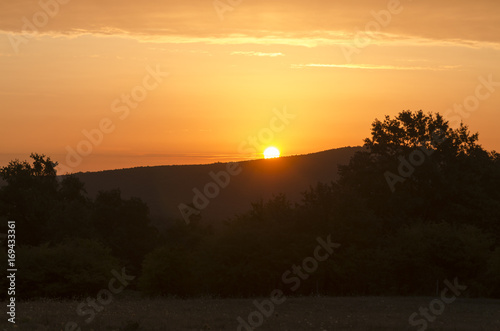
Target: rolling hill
<point x="163" y="188"/>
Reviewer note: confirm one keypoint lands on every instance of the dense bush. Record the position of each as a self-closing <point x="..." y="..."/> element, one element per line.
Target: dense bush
<point x="166" y="272"/>
<point x="70" y="269"/>
<point x="51" y="210"/>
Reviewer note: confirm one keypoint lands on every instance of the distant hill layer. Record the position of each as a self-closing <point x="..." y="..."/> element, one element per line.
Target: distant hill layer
<point x="163" y="188"/>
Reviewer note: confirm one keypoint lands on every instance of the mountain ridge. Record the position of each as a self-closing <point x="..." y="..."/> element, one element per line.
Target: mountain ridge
<point x="165" y="188"/>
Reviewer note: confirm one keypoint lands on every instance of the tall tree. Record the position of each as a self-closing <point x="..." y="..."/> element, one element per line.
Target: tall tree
<point x="416" y="166"/>
<point x="29" y="196"/>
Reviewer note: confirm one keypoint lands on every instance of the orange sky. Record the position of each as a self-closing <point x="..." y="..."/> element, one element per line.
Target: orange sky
<point x="101" y="65"/>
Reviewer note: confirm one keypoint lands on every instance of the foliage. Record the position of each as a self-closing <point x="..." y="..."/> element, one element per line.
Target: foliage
<point x="436" y="216"/>
<point x="166" y="272"/>
<point x="71" y="269"/>
<point x="50" y="212"/>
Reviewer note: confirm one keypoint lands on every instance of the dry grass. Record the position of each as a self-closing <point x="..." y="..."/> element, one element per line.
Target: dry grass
<point x="311" y="313"/>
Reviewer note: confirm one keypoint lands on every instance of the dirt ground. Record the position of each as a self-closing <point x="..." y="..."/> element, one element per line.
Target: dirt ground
<point x="308" y="313"/>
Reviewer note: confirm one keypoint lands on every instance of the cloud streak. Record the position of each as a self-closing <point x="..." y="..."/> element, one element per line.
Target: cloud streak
<point x="372" y="67"/>
<point x="257" y="54"/>
<point x="290" y="22"/>
<point x="307" y="40"/>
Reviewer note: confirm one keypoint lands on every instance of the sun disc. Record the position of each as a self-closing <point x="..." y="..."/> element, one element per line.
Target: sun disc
<point x="271" y="152"/>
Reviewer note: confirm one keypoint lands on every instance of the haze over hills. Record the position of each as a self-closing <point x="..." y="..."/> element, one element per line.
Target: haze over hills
<point x="163" y="188"/>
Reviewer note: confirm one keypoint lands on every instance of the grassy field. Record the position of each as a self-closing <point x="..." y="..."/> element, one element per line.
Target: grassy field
<point x="310" y="313"/>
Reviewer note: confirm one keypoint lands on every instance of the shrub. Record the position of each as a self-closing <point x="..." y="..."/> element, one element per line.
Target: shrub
<point x="70" y="269"/>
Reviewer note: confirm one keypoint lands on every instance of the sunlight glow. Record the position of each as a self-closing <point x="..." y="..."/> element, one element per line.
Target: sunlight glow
<point x="271" y="152"/>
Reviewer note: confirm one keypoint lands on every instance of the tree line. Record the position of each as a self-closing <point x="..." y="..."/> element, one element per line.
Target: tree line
<point x="418" y="206"/>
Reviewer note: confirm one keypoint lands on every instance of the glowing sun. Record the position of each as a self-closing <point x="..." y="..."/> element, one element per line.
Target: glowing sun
<point x="271" y="152"/>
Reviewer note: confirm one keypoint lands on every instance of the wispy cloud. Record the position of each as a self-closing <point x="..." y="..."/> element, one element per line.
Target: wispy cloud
<point x="310" y="39"/>
<point x="258" y="54"/>
<point x="285" y="21"/>
<point x="372" y="67"/>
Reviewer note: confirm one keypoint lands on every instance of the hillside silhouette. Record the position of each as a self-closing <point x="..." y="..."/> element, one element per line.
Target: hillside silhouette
<point x="416" y="208"/>
<point x="163" y="188"/>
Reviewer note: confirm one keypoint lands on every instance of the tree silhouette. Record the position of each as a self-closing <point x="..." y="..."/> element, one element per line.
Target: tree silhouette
<point x="52" y="211"/>
<point x="29" y="195"/>
<point x="419" y="204"/>
<point x="416" y="166"/>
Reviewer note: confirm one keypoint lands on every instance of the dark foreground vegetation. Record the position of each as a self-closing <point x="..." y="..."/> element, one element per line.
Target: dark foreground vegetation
<point x="421" y="205"/>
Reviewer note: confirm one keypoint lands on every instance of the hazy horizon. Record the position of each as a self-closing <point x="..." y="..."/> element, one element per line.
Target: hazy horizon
<point x="98" y="162"/>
